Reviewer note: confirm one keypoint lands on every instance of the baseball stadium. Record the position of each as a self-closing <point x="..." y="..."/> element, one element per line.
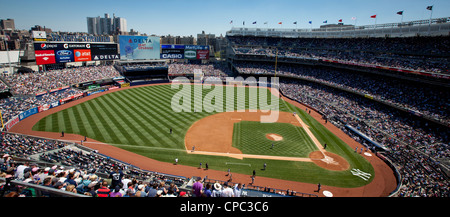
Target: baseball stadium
<point x="338" y="111"/>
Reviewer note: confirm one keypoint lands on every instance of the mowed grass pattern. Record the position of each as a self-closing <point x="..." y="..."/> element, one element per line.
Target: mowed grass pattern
<point x="250" y="138"/>
<point x="139" y="119"/>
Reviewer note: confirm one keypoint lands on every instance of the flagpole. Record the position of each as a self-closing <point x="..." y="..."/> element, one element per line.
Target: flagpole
<point x="431" y="16"/>
<point x="276" y="62"/>
<point x="376" y="18"/>
<point x="401" y="26"/>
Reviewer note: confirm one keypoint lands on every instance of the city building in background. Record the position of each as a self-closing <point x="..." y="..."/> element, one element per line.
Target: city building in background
<point x="106" y="25"/>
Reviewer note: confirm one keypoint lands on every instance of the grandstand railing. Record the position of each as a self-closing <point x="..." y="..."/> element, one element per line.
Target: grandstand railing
<point x="39" y="190"/>
<point x="270" y="191"/>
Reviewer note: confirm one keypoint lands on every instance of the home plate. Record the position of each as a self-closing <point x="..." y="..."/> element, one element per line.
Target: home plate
<point x="327" y="194"/>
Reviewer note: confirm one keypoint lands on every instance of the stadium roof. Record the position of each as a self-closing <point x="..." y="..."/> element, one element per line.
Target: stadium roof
<point x="434" y="27"/>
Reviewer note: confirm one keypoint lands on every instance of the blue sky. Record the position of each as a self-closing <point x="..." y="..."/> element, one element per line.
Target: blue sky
<point x="189" y="17"/>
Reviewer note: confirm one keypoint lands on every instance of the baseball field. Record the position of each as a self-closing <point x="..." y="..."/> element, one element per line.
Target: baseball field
<point x="140" y="120"/>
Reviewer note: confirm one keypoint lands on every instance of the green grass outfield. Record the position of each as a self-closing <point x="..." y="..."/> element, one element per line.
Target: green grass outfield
<point x="250" y="138"/>
<point x="139" y="120"/>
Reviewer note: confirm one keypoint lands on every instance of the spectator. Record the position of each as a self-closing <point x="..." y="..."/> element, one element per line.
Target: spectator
<point x="227" y="191"/>
<point x="198" y="187"/>
<point x="116" y="192"/>
<point x="103" y="191"/>
<point x="207" y="192"/>
<point x="217" y="191"/>
<point x="116" y="176"/>
<point x="237" y="190"/>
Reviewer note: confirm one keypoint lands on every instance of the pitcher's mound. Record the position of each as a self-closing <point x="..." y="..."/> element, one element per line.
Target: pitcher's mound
<point x="274" y="137"/>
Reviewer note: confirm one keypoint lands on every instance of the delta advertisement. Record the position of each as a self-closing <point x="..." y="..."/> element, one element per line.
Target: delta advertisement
<point x="139" y="47"/>
<point x="51" y="53"/>
<point x="191" y="52"/>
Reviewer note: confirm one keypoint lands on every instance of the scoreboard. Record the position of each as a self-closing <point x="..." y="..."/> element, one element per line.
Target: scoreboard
<point x="51" y="53"/>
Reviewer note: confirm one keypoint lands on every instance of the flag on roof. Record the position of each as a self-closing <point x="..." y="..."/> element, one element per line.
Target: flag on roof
<point x="326" y="21"/>
<point x="254" y="22"/>
<point x="430" y="7"/>
<point x="340" y="20"/>
<point x="280" y="23"/>
<point x="400" y="13"/>
<point x="295" y="22"/>
<point x="373" y="16"/>
<point x="310" y="22"/>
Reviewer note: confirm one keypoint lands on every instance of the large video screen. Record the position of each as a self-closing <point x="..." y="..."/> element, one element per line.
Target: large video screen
<point x="51" y="53"/>
<point x="139" y="47"/>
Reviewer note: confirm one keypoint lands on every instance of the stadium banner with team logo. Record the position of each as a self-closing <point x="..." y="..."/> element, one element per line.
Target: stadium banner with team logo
<point x="139" y="47"/>
<point x="64" y="52"/>
<point x="28" y="113"/>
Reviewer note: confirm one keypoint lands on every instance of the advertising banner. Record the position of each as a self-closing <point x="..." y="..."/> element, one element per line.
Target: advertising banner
<point x="124" y="85"/>
<point x="43" y="108"/>
<point x="196" y="47"/>
<point x="172" y="54"/>
<point x="11" y="123"/>
<point x="190" y="54"/>
<point x="95" y="92"/>
<point x="45" y="57"/>
<point x="39" y="35"/>
<point x="104" y="52"/>
<point x="51" y="53"/>
<point x="172" y="46"/>
<point x="202" y="54"/>
<point x="28" y="113"/>
<point x="64" y="56"/>
<point x="139" y="47"/>
<point x="82" y="55"/>
<point x="54" y="104"/>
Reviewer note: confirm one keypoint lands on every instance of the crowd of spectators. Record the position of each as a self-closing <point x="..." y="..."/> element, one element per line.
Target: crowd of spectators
<point x="211" y="69"/>
<point x="35" y="82"/>
<point x="24" y="147"/>
<point x="3" y="86"/>
<point x="429" y="101"/>
<point x="414" y="147"/>
<point x="87" y="172"/>
<point x="12" y="106"/>
<point x="428" y="54"/>
<point x="25" y="86"/>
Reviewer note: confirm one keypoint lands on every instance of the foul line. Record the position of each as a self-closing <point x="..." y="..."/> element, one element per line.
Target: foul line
<point x="242" y="156"/>
<point x="238" y="164"/>
<point x="310" y="134"/>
